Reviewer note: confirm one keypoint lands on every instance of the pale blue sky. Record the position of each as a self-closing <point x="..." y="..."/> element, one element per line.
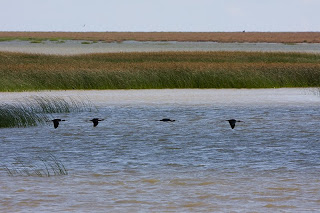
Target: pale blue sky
<point x="160" y="15"/>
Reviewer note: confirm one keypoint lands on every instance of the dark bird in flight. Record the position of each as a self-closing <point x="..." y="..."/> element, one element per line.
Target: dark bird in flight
<point x="167" y="120"/>
<point x="95" y="121"/>
<point x="233" y="122"/>
<point x="56" y="122"/>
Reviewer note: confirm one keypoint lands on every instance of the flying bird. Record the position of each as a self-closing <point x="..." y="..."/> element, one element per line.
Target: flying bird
<point x="167" y="120"/>
<point x="95" y="121"/>
<point x="233" y="122"/>
<point x="56" y="122"/>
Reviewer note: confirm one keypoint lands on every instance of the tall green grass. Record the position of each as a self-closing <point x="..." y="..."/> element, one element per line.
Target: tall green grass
<point x="19" y="115"/>
<point x="25" y="72"/>
<point x="37" y="110"/>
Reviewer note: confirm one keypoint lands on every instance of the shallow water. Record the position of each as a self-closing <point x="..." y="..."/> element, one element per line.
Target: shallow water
<point x="75" y="47"/>
<point x="132" y="163"/>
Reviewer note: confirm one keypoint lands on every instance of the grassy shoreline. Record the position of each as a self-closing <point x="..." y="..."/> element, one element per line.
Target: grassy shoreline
<point x="223" y="37"/>
<point x="158" y="70"/>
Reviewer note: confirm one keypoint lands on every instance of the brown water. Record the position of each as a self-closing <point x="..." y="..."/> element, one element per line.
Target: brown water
<point x="75" y="47"/>
<point x="132" y="163"/>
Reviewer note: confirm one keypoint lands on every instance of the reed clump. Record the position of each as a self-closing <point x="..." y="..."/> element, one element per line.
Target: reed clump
<point x="19" y="115"/>
<point x="40" y="104"/>
<point x="44" y="166"/>
<point x="21" y="72"/>
<point x="37" y="110"/>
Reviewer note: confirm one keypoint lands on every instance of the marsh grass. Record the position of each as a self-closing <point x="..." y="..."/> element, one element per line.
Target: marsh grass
<point x="273" y="37"/>
<point x="37" y="110"/>
<point x="86" y="42"/>
<point x="34" y="39"/>
<point x="25" y="72"/>
<point x="43" y="166"/>
<point x="2" y="39"/>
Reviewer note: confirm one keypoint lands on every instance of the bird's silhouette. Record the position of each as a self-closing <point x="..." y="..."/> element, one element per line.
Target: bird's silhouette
<point x="56" y="122"/>
<point x="167" y="120"/>
<point x="233" y="122"/>
<point x="95" y="121"/>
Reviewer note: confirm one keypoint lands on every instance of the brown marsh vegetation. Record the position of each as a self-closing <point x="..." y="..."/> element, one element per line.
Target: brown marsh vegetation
<point x="19" y="71"/>
<point x="253" y="37"/>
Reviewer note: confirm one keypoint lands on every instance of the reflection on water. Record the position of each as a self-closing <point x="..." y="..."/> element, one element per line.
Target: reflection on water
<point x="131" y="162"/>
<point x="75" y="47"/>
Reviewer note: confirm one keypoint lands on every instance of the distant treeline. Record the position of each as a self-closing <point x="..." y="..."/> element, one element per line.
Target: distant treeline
<point x="25" y="72"/>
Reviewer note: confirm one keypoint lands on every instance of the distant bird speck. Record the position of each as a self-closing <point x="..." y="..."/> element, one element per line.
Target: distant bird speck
<point x="233" y="122"/>
<point x="56" y="122"/>
<point x="95" y="121"/>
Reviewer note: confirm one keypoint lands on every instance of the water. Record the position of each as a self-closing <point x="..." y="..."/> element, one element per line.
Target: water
<point x="132" y="163"/>
<point x="75" y="47"/>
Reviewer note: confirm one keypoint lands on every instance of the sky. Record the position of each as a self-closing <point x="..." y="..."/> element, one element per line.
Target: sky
<point x="160" y="15"/>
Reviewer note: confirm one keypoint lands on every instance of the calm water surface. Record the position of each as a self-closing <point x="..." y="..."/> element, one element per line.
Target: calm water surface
<point x="132" y="163"/>
<point x="75" y="47"/>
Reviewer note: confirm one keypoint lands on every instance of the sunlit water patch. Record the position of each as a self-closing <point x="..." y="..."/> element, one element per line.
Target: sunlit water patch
<point x="133" y="162"/>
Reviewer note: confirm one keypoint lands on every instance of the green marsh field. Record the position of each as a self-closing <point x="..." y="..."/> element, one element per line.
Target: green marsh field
<point x="32" y="72"/>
